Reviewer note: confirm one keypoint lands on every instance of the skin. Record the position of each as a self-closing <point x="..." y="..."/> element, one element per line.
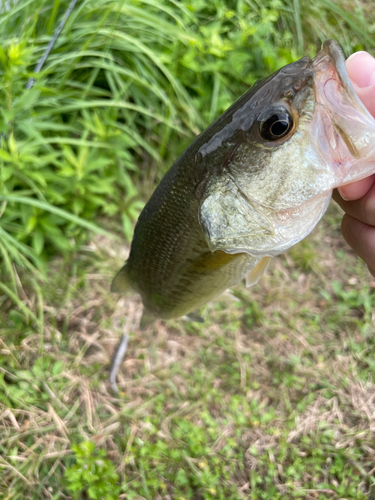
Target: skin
<point x="358" y="199"/>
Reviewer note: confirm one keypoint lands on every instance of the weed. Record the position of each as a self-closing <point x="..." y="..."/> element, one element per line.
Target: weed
<point x="272" y="397"/>
<point x="93" y="474"/>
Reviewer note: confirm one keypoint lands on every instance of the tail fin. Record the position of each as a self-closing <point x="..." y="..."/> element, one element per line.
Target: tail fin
<point x="120" y="283"/>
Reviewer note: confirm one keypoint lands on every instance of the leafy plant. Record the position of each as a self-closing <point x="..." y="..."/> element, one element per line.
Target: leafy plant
<point x="93" y="474"/>
<point x="126" y="86"/>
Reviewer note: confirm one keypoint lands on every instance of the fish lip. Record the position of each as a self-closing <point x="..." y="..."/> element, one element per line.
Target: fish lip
<point x="343" y="127"/>
<point x="333" y="50"/>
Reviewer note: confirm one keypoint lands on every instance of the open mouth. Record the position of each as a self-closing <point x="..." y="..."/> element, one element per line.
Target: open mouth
<point x="344" y="128"/>
<point x="330" y="68"/>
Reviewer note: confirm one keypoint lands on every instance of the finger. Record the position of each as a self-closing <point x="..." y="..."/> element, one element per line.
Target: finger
<point x="356" y="190"/>
<point x="361" y="71"/>
<point x="363" y="209"/>
<point x="361" y="238"/>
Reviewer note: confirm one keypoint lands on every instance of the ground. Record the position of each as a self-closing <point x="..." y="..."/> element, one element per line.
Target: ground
<point x="272" y="397"/>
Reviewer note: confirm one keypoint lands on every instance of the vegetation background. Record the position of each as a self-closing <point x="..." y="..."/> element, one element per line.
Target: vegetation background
<point x="273" y="397"/>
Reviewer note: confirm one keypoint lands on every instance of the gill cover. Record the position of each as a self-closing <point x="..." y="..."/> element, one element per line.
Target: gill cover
<point x="229" y="219"/>
<point x="232" y="222"/>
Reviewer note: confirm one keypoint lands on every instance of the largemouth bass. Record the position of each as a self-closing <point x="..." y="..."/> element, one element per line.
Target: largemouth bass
<point x="252" y="185"/>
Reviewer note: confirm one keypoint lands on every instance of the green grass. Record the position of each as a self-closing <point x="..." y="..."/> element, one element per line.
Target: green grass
<point x="272" y="397"/>
<point x="127" y="86"/>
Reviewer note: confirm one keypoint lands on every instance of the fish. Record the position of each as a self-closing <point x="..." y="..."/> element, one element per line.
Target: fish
<point x="248" y="188"/>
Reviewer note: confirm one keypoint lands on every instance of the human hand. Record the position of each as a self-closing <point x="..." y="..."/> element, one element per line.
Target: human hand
<point x="358" y="199"/>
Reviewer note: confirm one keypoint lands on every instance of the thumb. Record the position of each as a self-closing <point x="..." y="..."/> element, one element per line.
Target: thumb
<point x="361" y="71"/>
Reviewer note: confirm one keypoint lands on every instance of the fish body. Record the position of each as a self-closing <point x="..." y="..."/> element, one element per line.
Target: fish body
<point x="253" y="184"/>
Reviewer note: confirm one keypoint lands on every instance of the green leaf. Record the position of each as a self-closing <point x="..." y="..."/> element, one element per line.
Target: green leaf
<point x="58" y="211"/>
<point x="38" y="241"/>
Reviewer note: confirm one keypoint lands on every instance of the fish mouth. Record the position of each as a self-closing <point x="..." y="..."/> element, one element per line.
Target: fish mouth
<point x="331" y="61"/>
<point x="345" y="130"/>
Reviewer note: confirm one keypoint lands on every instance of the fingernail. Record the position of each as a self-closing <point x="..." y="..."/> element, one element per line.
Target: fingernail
<point x="361" y="69"/>
<point x="355" y="54"/>
<point x="339" y="189"/>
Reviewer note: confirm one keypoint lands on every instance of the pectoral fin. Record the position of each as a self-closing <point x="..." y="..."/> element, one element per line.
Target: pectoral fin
<point x="210" y="262"/>
<point x="258" y="271"/>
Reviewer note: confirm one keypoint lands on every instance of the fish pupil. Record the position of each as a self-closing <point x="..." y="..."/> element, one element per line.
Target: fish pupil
<point x="279" y="128"/>
<point x="276" y="126"/>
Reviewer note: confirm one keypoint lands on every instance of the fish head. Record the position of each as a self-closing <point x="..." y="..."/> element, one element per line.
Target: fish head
<point x="285" y="146"/>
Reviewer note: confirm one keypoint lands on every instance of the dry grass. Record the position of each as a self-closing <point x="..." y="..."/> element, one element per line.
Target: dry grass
<point x="294" y="354"/>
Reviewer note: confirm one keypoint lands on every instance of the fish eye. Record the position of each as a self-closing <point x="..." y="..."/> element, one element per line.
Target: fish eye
<point x="276" y="125"/>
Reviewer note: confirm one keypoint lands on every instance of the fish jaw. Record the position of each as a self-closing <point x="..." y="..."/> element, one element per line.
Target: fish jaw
<point x="342" y="129"/>
<point x="334" y="144"/>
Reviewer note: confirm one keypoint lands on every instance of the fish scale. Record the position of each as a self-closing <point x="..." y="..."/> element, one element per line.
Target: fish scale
<point x="252" y="185"/>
